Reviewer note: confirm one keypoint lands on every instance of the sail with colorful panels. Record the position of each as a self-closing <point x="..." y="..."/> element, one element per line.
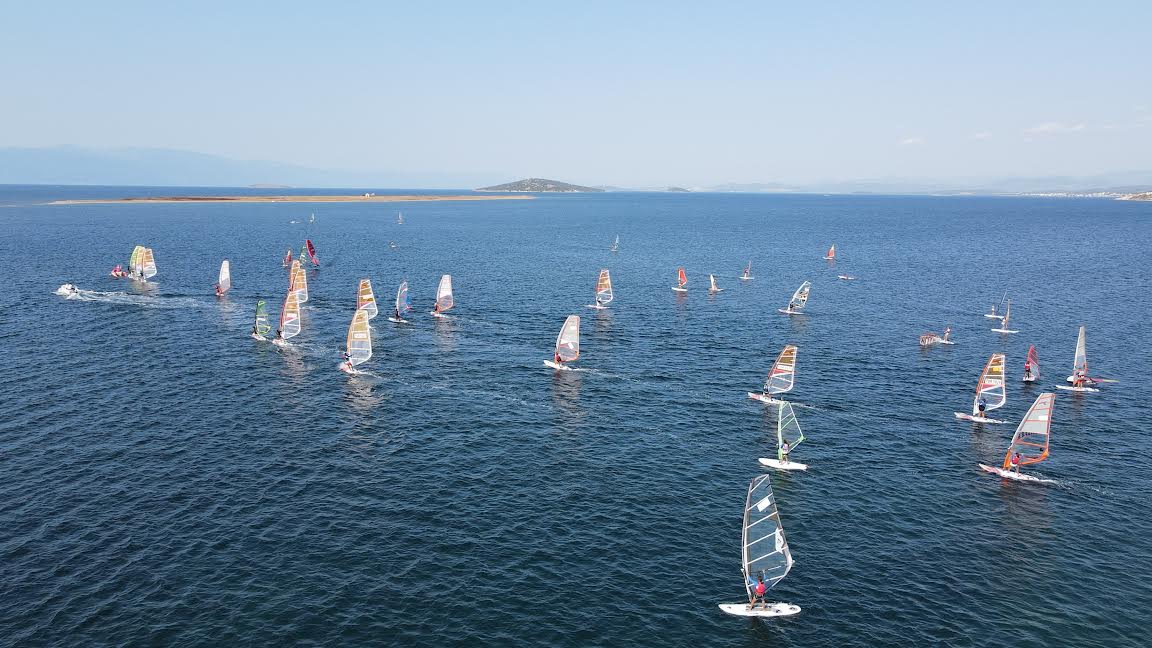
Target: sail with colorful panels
<point x="290" y="317"/>
<point x="747" y="274"/>
<point x="989" y="391"/>
<point x="799" y="299"/>
<point x="765" y="556"/>
<point x="134" y="260"/>
<point x="311" y="252"/>
<point x="402" y="305"/>
<point x="147" y="264"/>
<point x="604" y="295"/>
<point x="288" y="258"/>
<point x="1030" y="443"/>
<point x="444" y="300"/>
<point x="224" y="281"/>
<point x="260" y="324"/>
<point x="781" y="378"/>
<point x="831" y="255"/>
<point x="1032" y="365"/>
<point x="681" y="280"/>
<point x="567" y="343"/>
<point x="359" y="342"/>
<point x="299" y="281"/>
<point x="365" y="299"/>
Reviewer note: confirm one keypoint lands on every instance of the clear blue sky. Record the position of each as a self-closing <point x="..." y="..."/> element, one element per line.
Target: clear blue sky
<point x="689" y="93"/>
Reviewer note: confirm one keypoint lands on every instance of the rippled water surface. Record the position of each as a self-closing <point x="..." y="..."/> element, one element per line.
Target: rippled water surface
<point x="165" y="479"/>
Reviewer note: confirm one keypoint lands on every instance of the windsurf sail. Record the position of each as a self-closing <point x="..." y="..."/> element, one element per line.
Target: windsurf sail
<point x="260" y="324"/>
<point x="747" y="270"/>
<point x="616" y="244"/>
<point x="1007" y="314"/>
<point x="831" y="252"/>
<point x="990" y="389"/>
<point x="1080" y="362"/>
<point x="604" y="288"/>
<point x="800" y="297"/>
<point x="1033" y="362"/>
<point x="782" y="376"/>
<point x="134" y="260"/>
<point x="359" y="339"/>
<point x="224" y="283"/>
<point x="311" y="252"/>
<point x="147" y="264"/>
<point x="288" y="258"/>
<point x="290" y="316"/>
<point x="365" y="299"/>
<point x="712" y="284"/>
<point x="299" y="282"/>
<point x="312" y="218"/>
<point x="681" y="278"/>
<point x="787" y="430"/>
<point x="399" y="218"/>
<point x="765" y="549"/>
<point x="568" y="342"/>
<point x="444" y="299"/>
<point x="1031" y="438"/>
<point x="402" y="305"/>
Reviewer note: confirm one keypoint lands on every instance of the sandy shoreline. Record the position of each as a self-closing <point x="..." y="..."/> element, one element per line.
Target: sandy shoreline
<point x="276" y="199"/>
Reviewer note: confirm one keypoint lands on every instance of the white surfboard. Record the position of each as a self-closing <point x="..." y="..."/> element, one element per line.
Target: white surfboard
<point x="1002" y="330"/>
<point x="783" y="465"/>
<point x="976" y="419"/>
<point x="787" y="311"/>
<point x="764" y="398"/>
<point x="557" y="365"/>
<point x="1012" y="474"/>
<point x="260" y="338"/>
<point x="769" y="609"/>
<point x="400" y="320"/>
<point x="677" y="289"/>
<point x="1077" y="389"/>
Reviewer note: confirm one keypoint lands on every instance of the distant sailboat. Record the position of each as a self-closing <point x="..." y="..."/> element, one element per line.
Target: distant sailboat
<point x="298" y="283"/>
<point x="831" y="255"/>
<point x="1080" y="368"/>
<point x="764" y="555"/>
<point x="358" y="344"/>
<point x="713" y="288"/>
<point x="444" y="300"/>
<point x="1003" y="328"/>
<point x="781" y="378"/>
<point x="399" y="218"/>
<point x="402" y="305"/>
<point x="989" y="391"/>
<point x="929" y="339"/>
<point x="567" y="345"/>
<point x="788" y="436"/>
<point x="604" y="294"/>
<point x="747" y="274"/>
<point x="615" y="245"/>
<point x="224" y="282"/>
<point x="1032" y="365"/>
<point x="366" y="299"/>
<point x="799" y="299"/>
<point x="260" y="325"/>
<point x="288" y="258"/>
<point x="681" y="280"/>
<point x="289" y="320"/>
<point x="1030" y="443"/>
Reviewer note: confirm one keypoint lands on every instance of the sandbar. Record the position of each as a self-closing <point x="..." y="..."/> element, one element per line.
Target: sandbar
<point x="279" y="199"/>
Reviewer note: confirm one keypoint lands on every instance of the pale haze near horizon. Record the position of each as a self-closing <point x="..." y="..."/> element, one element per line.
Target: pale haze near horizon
<point x="689" y="94"/>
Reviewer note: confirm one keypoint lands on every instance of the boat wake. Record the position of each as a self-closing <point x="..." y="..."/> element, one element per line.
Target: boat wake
<point x="68" y="291"/>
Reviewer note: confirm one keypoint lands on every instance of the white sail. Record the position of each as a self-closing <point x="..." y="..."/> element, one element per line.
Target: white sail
<point x="1080" y="361"/>
<point x="224" y="283"/>
<point x="765" y="549"/>
<point x="799" y="299"/>
<point x="568" y="341"/>
<point x="444" y="300"/>
<point x="359" y="342"/>
<point x="148" y="264"/>
<point x="713" y="288"/>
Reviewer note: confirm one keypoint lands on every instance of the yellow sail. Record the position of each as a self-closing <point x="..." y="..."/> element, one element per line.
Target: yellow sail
<point x="366" y="299"/>
<point x="359" y="343"/>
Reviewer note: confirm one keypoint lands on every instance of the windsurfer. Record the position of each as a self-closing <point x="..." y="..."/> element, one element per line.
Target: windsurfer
<point x="1078" y="379"/>
<point x="1014" y="463"/>
<point x="1028" y="370"/>
<point x="784" y="450"/>
<point x="982" y="405"/>
<point x="758" y="593"/>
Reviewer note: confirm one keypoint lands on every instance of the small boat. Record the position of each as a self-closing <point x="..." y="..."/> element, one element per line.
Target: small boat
<point x="1003" y="328"/>
<point x="799" y="299"/>
<point x="712" y="287"/>
<point x="289" y="320"/>
<point x="298" y="281"/>
<point x="747" y="274"/>
<point x="288" y="258"/>
<point x="615" y="245"/>
<point x="567" y="345"/>
<point x="930" y="339"/>
<point x="764" y="555"/>
<point x="117" y="272"/>
<point x="444" y="300"/>
<point x="392" y="244"/>
<point x="681" y="280"/>
<point x="831" y="255"/>
<point x="260" y="325"/>
<point x="1080" y="369"/>
<point x="1032" y="365"/>
<point x="358" y="344"/>
<point x="402" y="305"/>
<point x="1030" y="443"/>
<point x="366" y="299"/>
<point x="990" y="391"/>
<point x="224" y="281"/>
<point x="311" y="253"/>
<point x="604" y="294"/>
<point x="788" y="436"/>
<point x="781" y="378"/>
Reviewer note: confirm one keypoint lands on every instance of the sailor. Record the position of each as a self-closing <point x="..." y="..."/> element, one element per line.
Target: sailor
<point x="758" y="592"/>
<point x="1078" y="378"/>
<point x="1014" y="463"/>
<point x="982" y="405"/>
<point x="348" y="362"/>
<point x="784" y="450"/>
<point x="1028" y="369"/>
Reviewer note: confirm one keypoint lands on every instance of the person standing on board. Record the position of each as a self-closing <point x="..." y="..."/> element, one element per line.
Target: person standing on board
<point x="784" y="450"/>
<point x="982" y="405"/>
<point x="1027" y="370"/>
<point x="1079" y="378"/>
<point x="1014" y="463"/>
<point x="758" y="593"/>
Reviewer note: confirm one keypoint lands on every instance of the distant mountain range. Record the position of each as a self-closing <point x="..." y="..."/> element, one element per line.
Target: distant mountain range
<point x="541" y="185"/>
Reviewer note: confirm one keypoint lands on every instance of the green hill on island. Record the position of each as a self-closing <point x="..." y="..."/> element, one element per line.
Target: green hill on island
<point x="540" y="185"/>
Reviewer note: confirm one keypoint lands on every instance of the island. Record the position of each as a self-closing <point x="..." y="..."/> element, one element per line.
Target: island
<point x="678" y="190"/>
<point x="1147" y="195"/>
<point x="368" y="197"/>
<point x="541" y="185"/>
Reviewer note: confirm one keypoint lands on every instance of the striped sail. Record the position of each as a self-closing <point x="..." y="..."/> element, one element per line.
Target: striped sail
<point x="1031" y="438"/>
<point x="991" y="386"/>
<point x="765" y="549"/>
<point x="359" y="343"/>
<point x="782" y="376"/>
<point x="365" y="299"/>
<point x="290" y="317"/>
<point x="299" y="282"/>
<point x="147" y="264"/>
<point x="604" y="288"/>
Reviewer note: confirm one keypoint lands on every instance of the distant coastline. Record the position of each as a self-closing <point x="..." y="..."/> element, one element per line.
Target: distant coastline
<point x="278" y="199"/>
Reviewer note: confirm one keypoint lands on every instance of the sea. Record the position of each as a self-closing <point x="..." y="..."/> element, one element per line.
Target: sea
<point x="166" y="480"/>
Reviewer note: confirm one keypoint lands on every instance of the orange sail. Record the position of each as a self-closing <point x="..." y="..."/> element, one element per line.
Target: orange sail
<point x="831" y="252"/>
<point x="681" y="278"/>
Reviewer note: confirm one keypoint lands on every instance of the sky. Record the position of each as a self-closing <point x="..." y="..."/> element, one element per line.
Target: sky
<point x="629" y="94"/>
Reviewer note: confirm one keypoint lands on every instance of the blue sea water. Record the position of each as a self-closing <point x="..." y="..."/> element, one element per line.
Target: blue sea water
<point x="166" y="480"/>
